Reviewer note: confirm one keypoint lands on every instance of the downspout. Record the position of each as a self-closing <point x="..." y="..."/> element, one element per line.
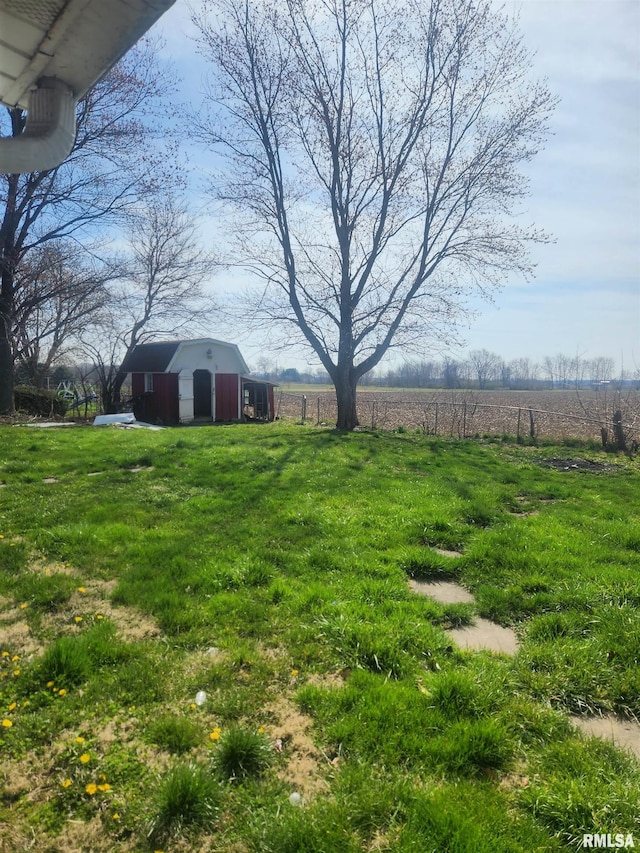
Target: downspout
<point x="49" y="133"/>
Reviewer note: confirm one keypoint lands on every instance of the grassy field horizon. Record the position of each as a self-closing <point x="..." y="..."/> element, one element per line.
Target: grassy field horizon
<point x="209" y="641"/>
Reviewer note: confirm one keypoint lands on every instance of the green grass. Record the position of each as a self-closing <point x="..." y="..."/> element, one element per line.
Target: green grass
<point x="268" y="566"/>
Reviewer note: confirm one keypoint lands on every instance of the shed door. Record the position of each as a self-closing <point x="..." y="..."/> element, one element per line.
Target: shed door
<point x="202" y="394"/>
<point x="227" y="397"/>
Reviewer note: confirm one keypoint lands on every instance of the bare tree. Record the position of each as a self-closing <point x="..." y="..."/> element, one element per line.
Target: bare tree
<point x="57" y="291"/>
<point x="373" y="148"/>
<point x="161" y="293"/>
<point x="486" y="366"/>
<point x="115" y="160"/>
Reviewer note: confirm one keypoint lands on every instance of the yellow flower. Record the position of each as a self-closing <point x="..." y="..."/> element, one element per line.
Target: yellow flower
<point x="215" y="734"/>
<point x="99" y="616"/>
<point x="116" y="816"/>
<point x="1" y="535"/>
<point x="261" y="730"/>
<point x="50" y="683"/>
<point x="23" y="606"/>
<point x="16" y="672"/>
<point x="13" y="706"/>
<point x="78" y="619"/>
<point x="294" y="672"/>
<point x="7" y="724"/>
<point x="62" y="692"/>
<point x="192" y="706"/>
<point x="67" y="783"/>
<point x="15" y="658"/>
<point x="104" y="787"/>
<point x="81" y="589"/>
<point x="102" y="777"/>
<point x="91" y="788"/>
<point x="5" y="654"/>
<point x="85" y="758"/>
<point x="79" y="739"/>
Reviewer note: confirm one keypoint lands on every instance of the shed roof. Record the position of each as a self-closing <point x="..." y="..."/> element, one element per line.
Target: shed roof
<point x="157" y="357"/>
<point x="150" y="358"/>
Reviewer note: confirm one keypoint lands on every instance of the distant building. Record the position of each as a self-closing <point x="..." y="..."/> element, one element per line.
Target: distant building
<point x="203" y="380"/>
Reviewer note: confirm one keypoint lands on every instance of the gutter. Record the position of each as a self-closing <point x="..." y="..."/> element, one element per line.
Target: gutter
<point x="49" y="133"/>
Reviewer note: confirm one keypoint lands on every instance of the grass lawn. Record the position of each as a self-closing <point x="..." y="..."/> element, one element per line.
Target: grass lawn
<point x="208" y="642"/>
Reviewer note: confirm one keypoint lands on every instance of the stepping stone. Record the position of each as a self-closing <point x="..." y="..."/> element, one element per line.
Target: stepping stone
<point x="445" y="592"/>
<point x="625" y="734"/>
<point x="484" y="634"/>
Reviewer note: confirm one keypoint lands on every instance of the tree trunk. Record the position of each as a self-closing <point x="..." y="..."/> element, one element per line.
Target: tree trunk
<point x="6" y="351"/>
<point x="345" y="386"/>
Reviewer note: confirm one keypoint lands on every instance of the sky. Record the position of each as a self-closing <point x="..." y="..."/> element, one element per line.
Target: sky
<point x="585" y="190"/>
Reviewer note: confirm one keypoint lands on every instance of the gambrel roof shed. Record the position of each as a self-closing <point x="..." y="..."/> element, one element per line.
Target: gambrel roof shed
<point x="195" y="380"/>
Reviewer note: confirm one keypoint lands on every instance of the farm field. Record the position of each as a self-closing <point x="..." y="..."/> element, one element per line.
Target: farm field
<point x="554" y="414"/>
<point x="211" y="639"/>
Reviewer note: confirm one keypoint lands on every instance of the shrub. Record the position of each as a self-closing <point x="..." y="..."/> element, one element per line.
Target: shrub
<point x="242" y="754"/>
<point x="38" y="401"/>
<point x="188" y="797"/>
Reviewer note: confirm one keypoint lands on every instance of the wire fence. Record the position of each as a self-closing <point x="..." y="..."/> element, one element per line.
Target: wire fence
<point x="466" y="417"/>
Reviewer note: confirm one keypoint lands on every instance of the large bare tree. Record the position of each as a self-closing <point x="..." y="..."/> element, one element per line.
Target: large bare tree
<point x="58" y="290"/>
<point x="373" y="152"/>
<point x="114" y="162"/>
<point x="162" y="292"/>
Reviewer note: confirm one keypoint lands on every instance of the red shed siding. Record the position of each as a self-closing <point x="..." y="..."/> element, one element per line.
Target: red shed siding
<point x="227" y="396"/>
<point x="159" y="405"/>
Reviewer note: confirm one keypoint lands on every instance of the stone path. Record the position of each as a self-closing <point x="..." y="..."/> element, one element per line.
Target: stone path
<point x="483" y="634"/>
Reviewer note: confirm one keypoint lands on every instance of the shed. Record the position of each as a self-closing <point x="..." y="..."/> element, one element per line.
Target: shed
<point x="201" y="380"/>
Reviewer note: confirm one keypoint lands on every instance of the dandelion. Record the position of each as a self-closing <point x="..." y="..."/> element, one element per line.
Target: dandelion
<point x="50" y="683"/>
<point x="5" y="654"/>
<point x="81" y="589"/>
<point x="79" y="739"/>
<point x="215" y="734"/>
<point x="294" y="672"/>
<point x="116" y="816"/>
<point x="7" y="724"/>
<point x="16" y="672"/>
<point x="67" y="783"/>
<point x="261" y="730"/>
<point x="23" y="606"/>
<point x="1" y="536"/>
<point x="62" y="692"/>
<point x="85" y="758"/>
<point x="15" y="658"/>
<point x="78" y="619"/>
<point x="91" y="788"/>
<point x="104" y="787"/>
<point x="13" y="706"/>
<point x="99" y="616"/>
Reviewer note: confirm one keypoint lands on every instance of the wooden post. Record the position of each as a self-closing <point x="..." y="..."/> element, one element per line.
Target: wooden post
<point x="464" y="419"/>
<point x="435" y="424"/>
<point x="518" y="432"/>
<point x="304" y="408"/>
<point x="318" y="410"/>
<point x="618" y="431"/>
<point x="373" y="415"/>
<point x="532" y="425"/>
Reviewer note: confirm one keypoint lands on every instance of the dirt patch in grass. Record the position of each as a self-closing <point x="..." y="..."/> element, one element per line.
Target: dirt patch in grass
<point x="290" y="728"/>
<point x="16" y="636"/>
<point x="577" y="464"/>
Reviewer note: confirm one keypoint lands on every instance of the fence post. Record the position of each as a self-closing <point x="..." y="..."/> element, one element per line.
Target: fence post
<point x="532" y="426"/>
<point x="618" y="431"/>
<point x="464" y="419"/>
<point x="373" y="415"/>
<point x="318" y="411"/>
<point x="304" y="408"/>
<point x="518" y="431"/>
<point x="435" y="424"/>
